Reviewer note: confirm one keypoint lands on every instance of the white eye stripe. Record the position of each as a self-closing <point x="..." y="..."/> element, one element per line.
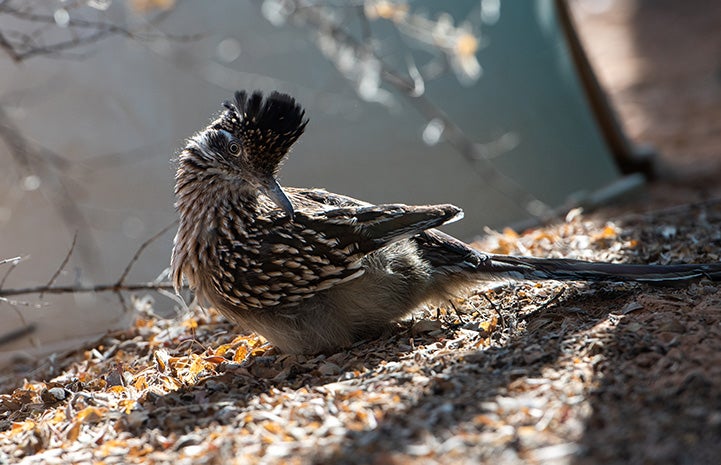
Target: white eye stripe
<point x="233" y="144"/>
<point x="227" y="135"/>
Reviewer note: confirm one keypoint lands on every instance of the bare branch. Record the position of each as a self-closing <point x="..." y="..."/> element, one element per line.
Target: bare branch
<point x="13" y="263"/>
<point x="140" y="250"/>
<point x="25" y="329"/>
<point x="116" y="287"/>
<point x="122" y="302"/>
<point x="9" y="49"/>
<point x="82" y="289"/>
<point x="62" y="264"/>
<point x="20" y="303"/>
<point x="79" y="31"/>
<point x="16" y="334"/>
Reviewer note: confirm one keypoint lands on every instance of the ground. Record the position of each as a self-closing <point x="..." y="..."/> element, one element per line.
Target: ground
<point x="516" y="373"/>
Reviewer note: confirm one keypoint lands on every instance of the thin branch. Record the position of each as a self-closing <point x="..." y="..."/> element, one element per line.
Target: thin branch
<point x="9" y="49"/>
<point x="26" y="46"/>
<point x="122" y="301"/>
<point x="13" y="263"/>
<point x="80" y="289"/>
<point x="140" y="250"/>
<point x="63" y="263"/>
<point x="21" y="303"/>
<point x="16" y="334"/>
<point x="117" y="287"/>
<point x="57" y="48"/>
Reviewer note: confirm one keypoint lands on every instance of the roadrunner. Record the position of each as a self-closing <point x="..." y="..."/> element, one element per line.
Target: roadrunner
<point x="314" y="271"/>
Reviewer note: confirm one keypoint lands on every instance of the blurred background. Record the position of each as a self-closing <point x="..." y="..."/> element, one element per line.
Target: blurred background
<point x="487" y="104"/>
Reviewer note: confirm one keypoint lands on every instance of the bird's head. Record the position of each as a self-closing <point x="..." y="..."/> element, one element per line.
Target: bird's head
<point x="248" y="142"/>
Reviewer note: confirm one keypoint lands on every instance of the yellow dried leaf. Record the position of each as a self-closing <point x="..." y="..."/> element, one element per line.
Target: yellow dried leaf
<point x="196" y="365"/>
<point x="112" y="446"/>
<point x="190" y="323"/>
<point x="259" y="351"/>
<point x="144" y="323"/>
<point x="127" y="405"/>
<point x="170" y="383"/>
<point x="484" y="420"/>
<point x="243" y="338"/>
<point x="608" y="233"/>
<point x="58" y="417"/>
<point x="362" y="415"/>
<point x="273" y="427"/>
<point x="241" y="353"/>
<point x="140" y="451"/>
<point x="177" y="363"/>
<point x="214" y="359"/>
<point x="91" y="414"/>
<point x="96" y="384"/>
<point x="488" y="326"/>
<point x="541" y="235"/>
<point x="74" y="431"/>
<point x="221" y="350"/>
<point x="140" y="383"/>
<point x="161" y="357"/>
<point x="117" y="389"/>
<point x="21" y="426"/>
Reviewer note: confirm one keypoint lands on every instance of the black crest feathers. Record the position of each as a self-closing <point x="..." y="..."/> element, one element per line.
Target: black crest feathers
<point x="267" y="127"/>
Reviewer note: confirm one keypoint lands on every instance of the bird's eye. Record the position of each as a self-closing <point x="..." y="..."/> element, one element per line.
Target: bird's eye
<point x="234" y="148"/>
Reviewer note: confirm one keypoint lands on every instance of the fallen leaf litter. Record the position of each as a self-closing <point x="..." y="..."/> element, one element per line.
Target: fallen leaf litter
<point x="515" y="372"/>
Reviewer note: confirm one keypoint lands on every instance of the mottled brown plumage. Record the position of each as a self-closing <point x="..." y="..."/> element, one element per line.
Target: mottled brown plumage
<point x="314" y="271"/>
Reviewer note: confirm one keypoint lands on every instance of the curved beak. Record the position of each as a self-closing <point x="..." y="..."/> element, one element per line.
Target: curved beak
<point x="273" y="190"/>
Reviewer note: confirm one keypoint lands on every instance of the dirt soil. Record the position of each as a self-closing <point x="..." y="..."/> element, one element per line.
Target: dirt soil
<point x="570" y="373"/>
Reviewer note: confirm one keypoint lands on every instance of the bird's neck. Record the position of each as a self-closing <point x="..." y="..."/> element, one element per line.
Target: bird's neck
<point x="208" y="205"/>
<point x="204" y="191"/>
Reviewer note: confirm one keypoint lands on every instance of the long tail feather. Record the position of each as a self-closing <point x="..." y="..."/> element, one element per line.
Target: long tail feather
<point x="567" y="269"/>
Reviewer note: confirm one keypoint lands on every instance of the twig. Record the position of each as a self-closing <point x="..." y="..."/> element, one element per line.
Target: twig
<point x="13" y="263"/>
<point x="140" y="250"/>
<point x="495" y="307"/>
<point x="30" y="45"/>
<point x="116" y="287"/>
<point x="25" y="329"/>
<point x="555" y="298"/>
<point x="17" y="334"/>
<point x="62" y="264"/>
<point x="80" y="289"/>
<point x="21" y="303"/>
<point x="122" y="301"/>
<point x="121" y="281"/>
